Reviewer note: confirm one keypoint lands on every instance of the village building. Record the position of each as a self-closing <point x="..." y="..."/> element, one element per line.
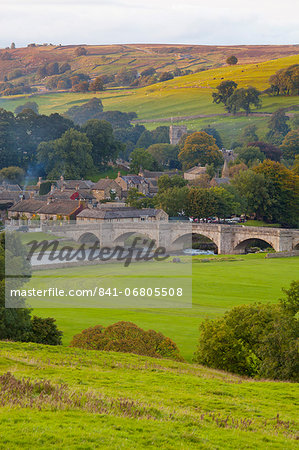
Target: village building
<point x="106" y="189"/>
<point x="121" y="214"/>
<point x="51" y="210"/>
<point x="154" y="174"/>
<point x="25" y="209"/>
<point x="127" y="182"/>
<point x="194" y="172"/>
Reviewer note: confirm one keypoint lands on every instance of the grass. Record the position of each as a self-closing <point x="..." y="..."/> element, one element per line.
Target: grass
<point x="112" y="400"/>
<point x="218" y="285"/>
<point x="261" y="223"/>
<point x="111" y="172"/>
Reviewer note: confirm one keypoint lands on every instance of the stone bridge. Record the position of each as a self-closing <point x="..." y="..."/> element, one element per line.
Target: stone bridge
<point x="229" y="239"/>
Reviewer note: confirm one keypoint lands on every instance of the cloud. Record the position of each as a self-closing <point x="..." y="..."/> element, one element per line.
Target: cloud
<point x="165" y="21"/>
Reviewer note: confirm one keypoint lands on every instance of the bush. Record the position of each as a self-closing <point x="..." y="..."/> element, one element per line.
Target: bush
<point x="255" y="340"/>
<point x="127" y="337"/>
<point x="45" y="331"/>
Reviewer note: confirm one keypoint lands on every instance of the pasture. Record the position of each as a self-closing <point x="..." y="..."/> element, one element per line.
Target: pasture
<point x="218" y="285"/>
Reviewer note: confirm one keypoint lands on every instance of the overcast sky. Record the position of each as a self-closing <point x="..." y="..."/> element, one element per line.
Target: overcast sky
<point x="150" y="21"/>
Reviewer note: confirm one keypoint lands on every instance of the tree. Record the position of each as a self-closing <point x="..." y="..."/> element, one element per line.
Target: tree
<point x="166" y="182"/>
<point x="65" y="67"/>
<point x="145" y="140"/>
<point x="243" y="99"/>
<point x="138" y="200"/>
<point x="126" y="76"/>
<point x="142" y="159"/>
<point x="45" y="331"/>
<point x="290" y="145"/>
<point x="164" y="154"/>
<point x="225" y="90"/>
<point x="249" y="134"/>
<point x="83" y="86"/>
<point x="283" y="189"/>
<point x="208" y="202"/>
<point x="80" y="51"/>
<point x="9" y="152"/>
<point x="200" y="148"/>
<point x="28" y="105"/>
<point x="165" y="76"/>
<point x="278" y="127"/>
<point x="285" y="81"/>
<point x="236" y="169"/>
<point x="295" y="168"/>
<point x="160" y="135"/>
<point x="254" y="340"/>
<point x="12" y="174"/>
<point x="96" y="85"/>
<point x="252" y="187"/>
<point x="270" y="151"/>
<point x="250" y="155"/>
<point x="105" y="147"/>
<point x="91" y="110"/>
<point x="213" y="132"/>
<point x="69" y="155"/>
<point x="14" y="321"/>
<point x="201" y="203"/>
<point x="232" y="60"/>
<point x="172" y="200"/>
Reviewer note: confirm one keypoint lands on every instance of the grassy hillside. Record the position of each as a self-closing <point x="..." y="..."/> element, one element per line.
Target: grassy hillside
<point x="218" y="285"/>
<point x="187" y="97"/>
<point x="112" y="400"/>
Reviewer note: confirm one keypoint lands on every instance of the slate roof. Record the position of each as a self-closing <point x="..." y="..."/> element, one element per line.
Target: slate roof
<point x="134" y="179"/>
<point x="73" y="184"/>
<point x="11" y="187"/>
<point x="12" y="195"/>
<point x="29" y="206"/>
<point x="103" y="184"/>
<point x="196" y="170"/>
<point x="63" y="207"/>
<point x="118" y="213"/>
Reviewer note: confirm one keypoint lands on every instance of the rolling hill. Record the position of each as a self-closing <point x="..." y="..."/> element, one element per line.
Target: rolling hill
<point x="186" y="99"/>
<point x="108" y="59"/>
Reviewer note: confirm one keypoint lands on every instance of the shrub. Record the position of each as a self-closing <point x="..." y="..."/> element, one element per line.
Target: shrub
<point x="45" y="331"/>
<point x="127" y="337"/>
<point x="255" y="340"/>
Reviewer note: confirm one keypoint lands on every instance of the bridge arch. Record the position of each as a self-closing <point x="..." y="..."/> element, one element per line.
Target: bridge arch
<point x="189" y="239"/>
<point x="244" y="244"/>
<point x="128" y="238"/>
<point x="88" y="238"/>
<point x="296" y="246"/>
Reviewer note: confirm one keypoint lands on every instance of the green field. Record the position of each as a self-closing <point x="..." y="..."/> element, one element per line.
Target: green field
<point x="218" y="285"/>
<point x="113" y="400"/>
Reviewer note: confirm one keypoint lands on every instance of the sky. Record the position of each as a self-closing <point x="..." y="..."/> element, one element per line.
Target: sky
<point x="223" y="22"/>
